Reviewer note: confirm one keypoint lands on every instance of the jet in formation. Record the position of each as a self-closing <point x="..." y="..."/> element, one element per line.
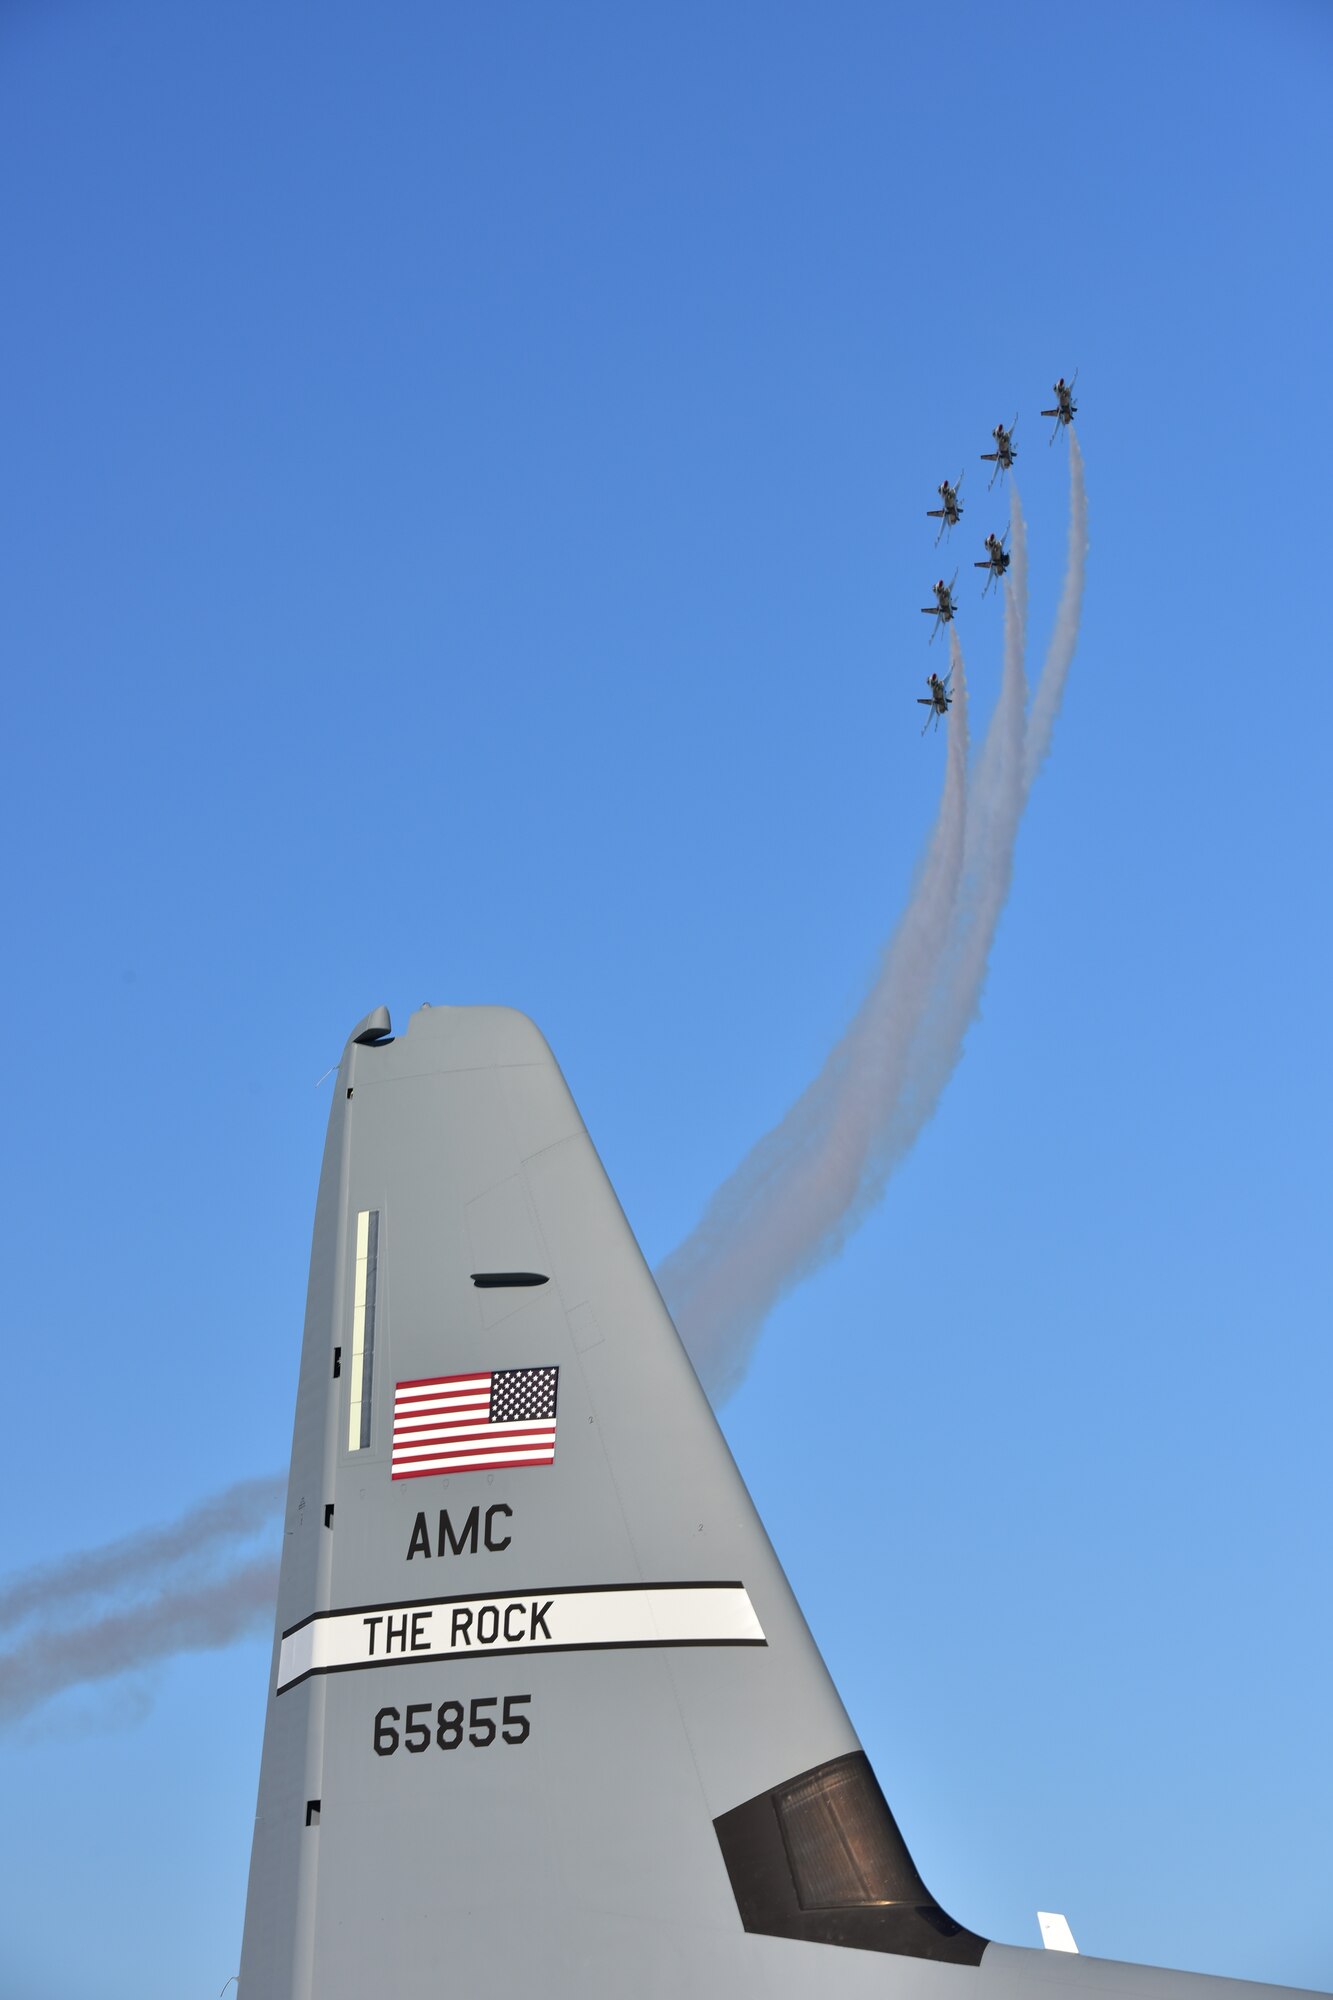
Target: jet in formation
<point x="1066" y="409"/>
<point x="950" y="513"/>
<point x="937" y="701"/>
<point x="942" y="609"/>
<point x="544" y="1716"/>
<point x="1004" y="454"/>
<point x="997" y="559"/>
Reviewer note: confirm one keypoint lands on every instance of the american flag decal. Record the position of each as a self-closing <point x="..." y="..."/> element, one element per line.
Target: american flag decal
<point x="474" y="1423"/>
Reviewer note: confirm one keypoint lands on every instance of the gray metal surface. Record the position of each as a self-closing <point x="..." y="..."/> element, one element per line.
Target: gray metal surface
<point x="583" y="1858"/>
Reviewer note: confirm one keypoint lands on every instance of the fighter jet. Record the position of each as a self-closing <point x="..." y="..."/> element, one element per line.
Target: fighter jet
<point x="543" y="1714"/>
<point x="950" y="513"/>
<point x="937" y="701"/>
<point x="942" y="609"/>
<point x="1066" y="409"/>
<point x="1004" y="453"/>
<point x="997" y="559"/>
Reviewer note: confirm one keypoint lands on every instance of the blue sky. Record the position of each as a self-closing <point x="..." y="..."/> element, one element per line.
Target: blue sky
<point x="463" y="529"/>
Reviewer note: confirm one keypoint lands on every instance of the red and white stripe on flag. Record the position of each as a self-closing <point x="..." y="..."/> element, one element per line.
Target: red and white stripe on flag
<point x="474" y="1423"/>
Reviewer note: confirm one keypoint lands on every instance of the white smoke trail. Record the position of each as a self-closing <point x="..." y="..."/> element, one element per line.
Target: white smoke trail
<point x="141" y="1560"/>
<point x="190" y="1620"/>
<point x="1050" y="689"/>
<point x="994" y="808"/>
<point x="1010" y="759"/>
<point x="752" y="1244"/>
<point x="786" y="1207"/>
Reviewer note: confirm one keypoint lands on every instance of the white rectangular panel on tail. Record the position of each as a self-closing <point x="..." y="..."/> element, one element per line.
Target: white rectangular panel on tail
<point x="642" y="1614"/>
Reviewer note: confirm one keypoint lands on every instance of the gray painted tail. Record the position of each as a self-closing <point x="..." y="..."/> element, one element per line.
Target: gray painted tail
<point x="544" y="1714"/>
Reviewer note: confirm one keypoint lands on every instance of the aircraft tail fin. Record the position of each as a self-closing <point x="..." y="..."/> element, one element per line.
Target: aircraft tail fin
<point x="541" y="1694"/>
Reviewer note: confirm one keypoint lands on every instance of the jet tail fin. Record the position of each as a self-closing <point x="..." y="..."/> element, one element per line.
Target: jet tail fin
<point x="542" y="1701"/>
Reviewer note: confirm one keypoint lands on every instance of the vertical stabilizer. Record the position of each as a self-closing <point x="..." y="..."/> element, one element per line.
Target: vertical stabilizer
<point x="543" y="1709"/>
